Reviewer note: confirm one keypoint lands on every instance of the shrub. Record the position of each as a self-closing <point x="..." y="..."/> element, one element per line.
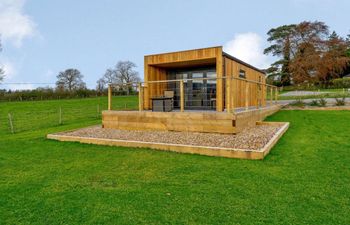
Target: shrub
<point x="314" y="103"/>
<point x="340" y="101"/>
<point x="298" y="103"/>
<point x="322" y="102"/>
<point x="341" y="82"/>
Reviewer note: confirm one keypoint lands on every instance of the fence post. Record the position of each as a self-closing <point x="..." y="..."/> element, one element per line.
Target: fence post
<point x="246" y="95"/>
<point x="228" y="95"/>
<point x="276" y="95"/>
<point x="140" y="97"/>
<point x="182" y="97"/>
<point x="233" y="96"/>
<point x="98" y="110"/>
<point x="60" y="115"/>
<point x="11" y="123"/>
<point x="271" y="96"/>
<point x="109" y="96"/>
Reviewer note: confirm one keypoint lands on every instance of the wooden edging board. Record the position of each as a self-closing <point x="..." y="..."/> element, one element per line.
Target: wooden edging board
<point x="191" y="149"/>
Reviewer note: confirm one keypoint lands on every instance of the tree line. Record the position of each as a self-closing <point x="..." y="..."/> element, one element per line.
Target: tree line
<point x="307" y="53"/>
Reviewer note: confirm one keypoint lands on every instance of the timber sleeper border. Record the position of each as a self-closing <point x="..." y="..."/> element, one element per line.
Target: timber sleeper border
<point x="181" y="148"/>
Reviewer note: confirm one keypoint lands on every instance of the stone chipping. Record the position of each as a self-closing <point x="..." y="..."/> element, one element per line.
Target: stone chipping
<point x="249" y="139"/>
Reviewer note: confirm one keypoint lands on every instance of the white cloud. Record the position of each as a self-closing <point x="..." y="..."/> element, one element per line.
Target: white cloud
<point x="249" y="48"/>
<point x="9" y="69"/>
<point x="15" y="25"/>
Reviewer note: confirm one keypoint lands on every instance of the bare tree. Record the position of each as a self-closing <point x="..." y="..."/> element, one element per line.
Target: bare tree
<point x="123" y="73"/>
<point x="109" y="76"/>
<point x="70" y="79"/>
<point x="100" y="85"/>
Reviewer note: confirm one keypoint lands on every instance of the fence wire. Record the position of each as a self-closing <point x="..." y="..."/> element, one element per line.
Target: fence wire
<point x="16" y="117"/>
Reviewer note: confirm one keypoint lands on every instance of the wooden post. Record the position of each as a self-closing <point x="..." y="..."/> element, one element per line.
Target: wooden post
<point x="60" y="116"/>
<point x="276" y="95"/>
<point x="246" y="95"/>
<point x="271" y="95"/>
<point x="11" y="123"/>
<point x="233" y="96"/>
<point x="98" y="110"/>
<point x="182" y="97"/>
<point x="140" y="97"/>
<point x="109" y="97"/>
<point x="228" y="95"/>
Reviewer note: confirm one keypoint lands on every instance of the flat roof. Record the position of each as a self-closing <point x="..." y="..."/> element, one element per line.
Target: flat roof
<point x="242" y="62"/>
<point x="223" y="53"/>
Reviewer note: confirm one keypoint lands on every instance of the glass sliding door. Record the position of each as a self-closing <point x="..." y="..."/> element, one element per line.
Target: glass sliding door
<point x="200" y="94"/>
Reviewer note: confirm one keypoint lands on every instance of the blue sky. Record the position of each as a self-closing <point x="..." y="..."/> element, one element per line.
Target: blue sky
<point x="43" y="37"/>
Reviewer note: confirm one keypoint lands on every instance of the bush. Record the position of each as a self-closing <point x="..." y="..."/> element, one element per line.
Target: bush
<point x="341" y="82"/>
<point x="298" y="103"/>
<point x="314" y="103"/>
<point x="340" y="101"/>
<point x="322" y="102"/>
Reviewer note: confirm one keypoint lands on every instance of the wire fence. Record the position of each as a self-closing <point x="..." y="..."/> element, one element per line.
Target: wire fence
<point x="30" y="116"/>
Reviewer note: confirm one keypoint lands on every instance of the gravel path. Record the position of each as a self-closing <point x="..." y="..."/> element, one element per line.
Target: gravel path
<point x="251" y="138"/>
<point x="303" y="93"/>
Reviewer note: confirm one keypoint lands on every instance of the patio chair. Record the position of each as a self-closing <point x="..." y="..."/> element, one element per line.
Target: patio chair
<point x="170" y="94"/>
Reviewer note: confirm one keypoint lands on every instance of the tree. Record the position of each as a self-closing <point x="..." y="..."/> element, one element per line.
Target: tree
<point x="307" y="53"/>
<point x="319" y="57"/>
<point x="70" y="79"/>
<point x="2" y="72"/>
<point x="123" y="73"/>
<point x="280" y="37"/>
<point x="101" y="85"/>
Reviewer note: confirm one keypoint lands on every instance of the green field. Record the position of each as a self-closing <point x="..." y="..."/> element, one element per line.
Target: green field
<point x="304" y="180"/>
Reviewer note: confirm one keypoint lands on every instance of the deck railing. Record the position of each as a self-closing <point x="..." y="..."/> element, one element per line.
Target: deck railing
<point x="237" y="93"/>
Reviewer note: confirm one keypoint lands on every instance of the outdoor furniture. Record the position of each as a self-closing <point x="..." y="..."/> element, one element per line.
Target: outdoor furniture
<point x="170" y="94"/>
<point x="162" y="104"/>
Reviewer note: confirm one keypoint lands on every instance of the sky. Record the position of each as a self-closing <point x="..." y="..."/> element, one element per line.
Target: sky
<point x="40" y="38"/>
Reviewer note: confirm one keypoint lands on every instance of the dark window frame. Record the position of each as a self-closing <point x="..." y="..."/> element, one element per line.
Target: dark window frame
<point x="242" y="74"/>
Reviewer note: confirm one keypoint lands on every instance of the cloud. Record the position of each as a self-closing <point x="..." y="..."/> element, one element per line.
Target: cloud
<point x="15" y="25"/>
<point x="9" y="69"/>
<point x="249" y="48"/>
<point x="19" y="87"/>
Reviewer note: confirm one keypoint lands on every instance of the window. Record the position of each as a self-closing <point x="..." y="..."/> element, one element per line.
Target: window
<point x="241" y="73"/>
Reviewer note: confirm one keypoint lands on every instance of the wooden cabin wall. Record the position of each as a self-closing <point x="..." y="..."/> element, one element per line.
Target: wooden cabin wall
<point x="156" y="65"/>
<point x="154" y="89"/>
<point x="238" y="87"/>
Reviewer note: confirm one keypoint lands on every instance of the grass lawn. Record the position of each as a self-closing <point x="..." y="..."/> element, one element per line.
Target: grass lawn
<point x="304" y="180"/>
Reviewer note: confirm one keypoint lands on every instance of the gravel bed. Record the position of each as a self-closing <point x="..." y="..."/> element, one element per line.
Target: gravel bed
<point x="250" y="138"/>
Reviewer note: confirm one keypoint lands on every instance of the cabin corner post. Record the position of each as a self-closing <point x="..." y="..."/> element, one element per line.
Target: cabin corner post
<point x="109" y="96"/>
<point x="182" y="97"/>
<point x="219" y="81"/>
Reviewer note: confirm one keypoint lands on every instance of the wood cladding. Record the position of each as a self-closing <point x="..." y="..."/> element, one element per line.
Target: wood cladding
<point x="189" y="121"/>
<point x="156" y="67"/>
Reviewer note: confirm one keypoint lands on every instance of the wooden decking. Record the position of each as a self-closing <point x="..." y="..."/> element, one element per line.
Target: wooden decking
<point x="192" y="121"/>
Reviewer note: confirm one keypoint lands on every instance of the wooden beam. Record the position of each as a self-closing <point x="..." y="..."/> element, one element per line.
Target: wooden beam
<point x="182" y="96"/>
<point x="109" y="97"/>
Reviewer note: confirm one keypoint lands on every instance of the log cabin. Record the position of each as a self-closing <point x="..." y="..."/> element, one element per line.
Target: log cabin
<point x="210" y="91"/>
<point x="206" y="73"/>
